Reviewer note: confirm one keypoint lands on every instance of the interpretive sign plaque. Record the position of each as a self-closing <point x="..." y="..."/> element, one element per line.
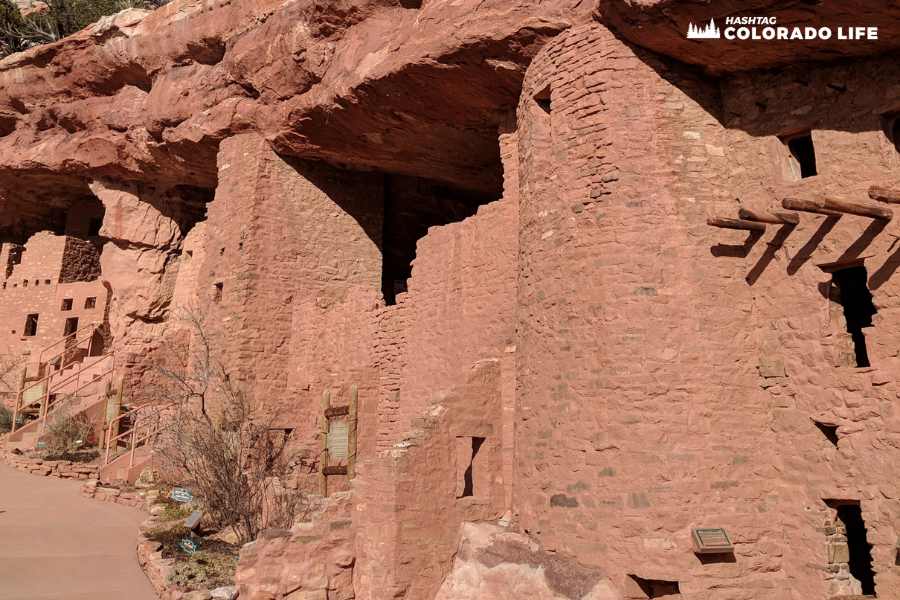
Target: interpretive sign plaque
<point x="194" y="519"/>
<point x="339" y="440"/>
<point x="711" y="541"/>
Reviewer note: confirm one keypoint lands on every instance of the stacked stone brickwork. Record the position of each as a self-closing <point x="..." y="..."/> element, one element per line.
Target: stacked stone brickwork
<point x="64" y="469"/>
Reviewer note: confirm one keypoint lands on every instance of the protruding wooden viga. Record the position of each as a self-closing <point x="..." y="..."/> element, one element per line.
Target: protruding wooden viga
<point x="835" y="207"/>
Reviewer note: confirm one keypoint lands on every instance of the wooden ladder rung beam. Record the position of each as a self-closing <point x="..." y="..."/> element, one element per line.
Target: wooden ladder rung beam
<point x="884" y="194"/>
<point x="773" y="217"/>
<point x="836" y="207"/>
<point x="336" y="470"/>
<point x="337" y="411"/>
<point x="735" y="224"/>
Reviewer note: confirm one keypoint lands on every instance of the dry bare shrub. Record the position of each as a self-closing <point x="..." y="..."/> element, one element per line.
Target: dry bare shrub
<point x="6" y="419"/>
<point x="67" y="429"/>
<point x="227" y="452"/>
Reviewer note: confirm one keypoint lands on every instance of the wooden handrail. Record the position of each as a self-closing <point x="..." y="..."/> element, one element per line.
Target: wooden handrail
<point x="152" y="431"/>
<point x="75" y="392"/>
<point x="74" y="333"/>
<point x="48" y="391"/>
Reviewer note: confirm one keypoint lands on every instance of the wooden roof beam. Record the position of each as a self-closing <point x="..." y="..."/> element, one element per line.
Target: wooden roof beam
<point x="773" y="217"/>
<point x="735" y="224"/>
<point x="884" y="194"/>
<point x="834" y="207"/>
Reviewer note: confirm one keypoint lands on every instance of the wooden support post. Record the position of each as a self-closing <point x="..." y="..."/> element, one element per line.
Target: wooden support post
<point x="22" y="378"/>
<point x="735" y="224"/>
<point x="351" y="434"/>
<point x="115" y="429"/>
<point x="774" y="217"/>
<point x="106" y="391"/>
<point x="323" y="444"/>
<point x="884" y="194"/>
<point x="835" y="207"/>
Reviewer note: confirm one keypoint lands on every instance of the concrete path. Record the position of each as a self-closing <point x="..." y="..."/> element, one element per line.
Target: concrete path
<point x="57" y="545"/>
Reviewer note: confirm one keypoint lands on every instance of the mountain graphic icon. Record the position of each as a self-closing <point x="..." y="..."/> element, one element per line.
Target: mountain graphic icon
<point x="711" y="32"/>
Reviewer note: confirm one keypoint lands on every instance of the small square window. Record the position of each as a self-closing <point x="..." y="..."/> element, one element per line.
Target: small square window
<point x="90" y="302"/>
<point x="66" y="304"/>
<point x="24" y="283"/>
<point x="46" y="282"/>
<point x="31" y="323"/>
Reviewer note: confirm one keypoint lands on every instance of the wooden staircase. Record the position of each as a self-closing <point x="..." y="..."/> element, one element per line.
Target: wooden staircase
<point x="146" y="422"/>
<point x="70" y="374"/>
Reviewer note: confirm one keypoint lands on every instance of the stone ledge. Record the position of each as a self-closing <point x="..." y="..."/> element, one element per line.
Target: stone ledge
<point x="62" y="469"/>
<point x="94" y="489"/>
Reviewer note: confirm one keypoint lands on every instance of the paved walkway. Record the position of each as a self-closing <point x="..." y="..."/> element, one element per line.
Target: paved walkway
<point x="57" y="545"/>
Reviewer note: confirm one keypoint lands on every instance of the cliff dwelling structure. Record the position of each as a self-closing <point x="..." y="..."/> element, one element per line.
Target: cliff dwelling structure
<point x="621" y="307"/>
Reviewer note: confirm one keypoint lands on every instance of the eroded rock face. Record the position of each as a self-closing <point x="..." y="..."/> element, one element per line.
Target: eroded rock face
<point x="147" y="96"/>
<point x="142" y="254"/>
<point x="496" y="563"/>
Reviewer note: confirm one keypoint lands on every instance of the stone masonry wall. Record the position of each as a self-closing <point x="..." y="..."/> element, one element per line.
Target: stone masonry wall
<point x="669" y="373"/>
<point x="311" y="561"/>
<point x="286" y="266"/>
<point x="410" y="499"/>
<point x="51" y="269"/>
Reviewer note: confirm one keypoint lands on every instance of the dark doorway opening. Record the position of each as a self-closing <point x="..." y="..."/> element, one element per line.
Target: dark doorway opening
<point x="469" y="486"/>
<point x="94" y="226"/>
<point x="895" y="133"/>
<point x="803" y="152"/>
<point x="858" y="308"/>
<point x="71" y="326"/>
<point x="542" y="98"/>
<point x="31" y="323"/>
<point x="411" y="206"/>
<point x="860" y="562"/>
<point x="639" y="588"/>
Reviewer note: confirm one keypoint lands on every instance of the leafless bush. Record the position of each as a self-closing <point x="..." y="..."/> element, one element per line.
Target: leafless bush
<point x="224" y="450"/>
<point x="67" y="429"/>
<point x="6" y="419"/>
<point x="10" y="367"/>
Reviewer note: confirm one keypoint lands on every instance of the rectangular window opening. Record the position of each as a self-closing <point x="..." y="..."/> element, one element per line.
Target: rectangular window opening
<point x="66" y="304"/>
<point x="856" y="299"/>
<point x="848" y="544"/>
<point x="31" y="323"/>
<point x="217" y="294"/>
<point x="90" y="302"/>
<point x="801" y="155"/>
<point x="637" y="588"/>
<point x="467" y="450"/>
<point x="71" y="326"/>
